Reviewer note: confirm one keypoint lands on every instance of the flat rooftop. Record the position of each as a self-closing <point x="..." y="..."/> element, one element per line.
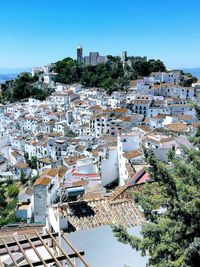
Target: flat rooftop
<point x="103" y="250"/>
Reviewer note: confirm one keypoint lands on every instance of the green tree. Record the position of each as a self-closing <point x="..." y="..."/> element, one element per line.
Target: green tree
<point x="26" y="156"/>
<point x="23" y="178"/>
<point x="107" y="75"/>
<point x="171" y="236"/>
<point x="3" y="202"/>
<point x="187" y="79"/>
<point x="21" y="88"/>
<point x="13" y="190"/>
<point x="34" y="178"/>
<point x="196" y="139"/>
<point x="197" y="108"/>
<point x="156" y="65"/>
<point x="32" y="162"/>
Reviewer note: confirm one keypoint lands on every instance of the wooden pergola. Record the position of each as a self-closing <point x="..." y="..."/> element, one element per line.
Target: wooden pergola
<point x="28" y="243"/>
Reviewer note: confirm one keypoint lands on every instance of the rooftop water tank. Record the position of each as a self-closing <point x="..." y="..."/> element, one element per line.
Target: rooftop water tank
<point x="75" y="191"/>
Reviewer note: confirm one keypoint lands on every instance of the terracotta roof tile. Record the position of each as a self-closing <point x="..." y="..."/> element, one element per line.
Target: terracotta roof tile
<point x="177" y="127"/>
<point x="132" y="154"/>
<point x="121" y="110"/>
<point x="42" y="181"/>
<point x="49" y="172"/>
<point x="21" y="165"/>
<point x="144" y="128"/>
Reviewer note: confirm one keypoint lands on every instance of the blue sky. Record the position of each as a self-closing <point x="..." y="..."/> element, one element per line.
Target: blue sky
<point x="34" y="33"/>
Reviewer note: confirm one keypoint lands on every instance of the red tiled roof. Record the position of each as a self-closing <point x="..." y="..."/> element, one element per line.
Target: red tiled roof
<point x="89" y="175"/>
<point x="143" y="179"/>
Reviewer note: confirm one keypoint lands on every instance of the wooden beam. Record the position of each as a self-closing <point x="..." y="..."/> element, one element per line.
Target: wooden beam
<point x="51" y="260"/>
<point x="24" y="241"/>
<point x="1" y="263"/>
<point x="23" y="252"/>
<point x="49" y="251"/>
<point x="74" y="250"/>
<point x="36" y="251"/>
<point x="61" y="249"/>
<point x="42" y="261"/>
<point x="10" y="253"/>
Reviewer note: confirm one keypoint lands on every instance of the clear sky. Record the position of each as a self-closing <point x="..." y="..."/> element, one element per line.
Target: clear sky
<point x="37" y="32"/>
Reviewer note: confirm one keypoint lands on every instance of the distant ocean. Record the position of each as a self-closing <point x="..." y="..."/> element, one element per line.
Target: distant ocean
<point x="194" y="71"/>
<point x="7" y="74"/>
<point x="7" y="77"/>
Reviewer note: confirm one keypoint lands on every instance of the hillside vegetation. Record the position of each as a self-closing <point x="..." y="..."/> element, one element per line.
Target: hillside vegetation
<point x="23" y="87"/>
<point x="110" y="75"/>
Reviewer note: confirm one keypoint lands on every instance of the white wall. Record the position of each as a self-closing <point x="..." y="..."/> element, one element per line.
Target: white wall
<point x="126" y="143"/>
<point x="109" y="167"/>
<point x="24" y="198"/>
<point x="87" y="169"/>
<point x="57" y="222"/>
<point x="40" y="203"/>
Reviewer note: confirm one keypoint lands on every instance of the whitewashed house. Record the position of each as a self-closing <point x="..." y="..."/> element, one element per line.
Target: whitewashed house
<point x="126" y="142"/>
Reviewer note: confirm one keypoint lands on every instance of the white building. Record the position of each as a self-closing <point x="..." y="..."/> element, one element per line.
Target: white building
<point x="126" y="142"/>
<point x="109" y="166"/>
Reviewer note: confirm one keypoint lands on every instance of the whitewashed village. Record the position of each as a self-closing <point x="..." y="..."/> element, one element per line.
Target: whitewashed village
<point x="80" y="152"/>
